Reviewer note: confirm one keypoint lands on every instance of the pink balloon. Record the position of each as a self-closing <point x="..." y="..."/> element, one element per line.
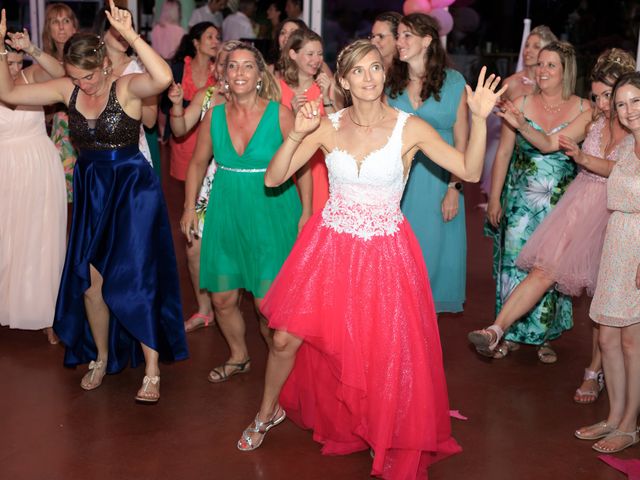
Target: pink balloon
<point x="444" y="18"/>
<point x="441" y="3"/>
<point x="416" y="6"/>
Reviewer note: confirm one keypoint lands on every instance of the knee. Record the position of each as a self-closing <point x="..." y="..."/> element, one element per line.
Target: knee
<point x="630" y="344"/>
<point x="608" y="341"/>
<point x="223" y="302"/>
<point x="284" y="343"/>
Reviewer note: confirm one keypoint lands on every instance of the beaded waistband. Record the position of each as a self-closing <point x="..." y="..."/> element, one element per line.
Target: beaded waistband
<point x="242" y="170"/>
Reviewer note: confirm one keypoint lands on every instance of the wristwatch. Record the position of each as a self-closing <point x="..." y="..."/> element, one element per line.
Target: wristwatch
<point x="456" y="185"/>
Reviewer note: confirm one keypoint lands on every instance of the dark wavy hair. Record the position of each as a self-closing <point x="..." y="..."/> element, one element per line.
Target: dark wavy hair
<point x="435" y="60"/>
<point x="275" y="52"/>
<point x="186" y="47"/>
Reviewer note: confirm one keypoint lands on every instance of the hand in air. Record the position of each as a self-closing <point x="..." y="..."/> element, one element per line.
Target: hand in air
<point x="120" y="20"/>
<point x="571" y="148"/>
<point x="482" y="100"/>
<point x="307" y="118"/>
<point x="19" y="41"/>
<point x="510" y="113"/>
<point x="175" y="93"/>
<point x="3" y="25"/>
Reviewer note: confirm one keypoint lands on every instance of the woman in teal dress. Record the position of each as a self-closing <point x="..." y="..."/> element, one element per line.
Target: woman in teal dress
<point x="249" y="228"/>
<point x="526" y="185"/>
<point x="419" y="83"/>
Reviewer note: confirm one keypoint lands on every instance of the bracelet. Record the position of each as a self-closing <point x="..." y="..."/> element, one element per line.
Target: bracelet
<point x="294" y="139"/>
<point x="190" y="208"/>
<point x="327" y="105"/>
<point x="4" y="53"/>
<point x="173" y="115"/>
<point x="134" y="40"/>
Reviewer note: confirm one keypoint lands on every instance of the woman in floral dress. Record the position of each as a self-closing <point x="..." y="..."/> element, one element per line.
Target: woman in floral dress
<point x="527" y="188"/>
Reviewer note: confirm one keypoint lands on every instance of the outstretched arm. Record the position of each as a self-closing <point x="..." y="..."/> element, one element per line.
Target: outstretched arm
<point x="467" y="166"/>
<point x="47" y="67"/>
<point x="35" y="95"/>
<point x="542" y="141"/>
<point x="601" y="166"/>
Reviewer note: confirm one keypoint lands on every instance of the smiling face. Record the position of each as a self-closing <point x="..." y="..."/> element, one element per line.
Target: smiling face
<point x="242" y="72"/>
<point x="61" y="28"/>
<point x="382" y="37"/>
<point x="309" y="58"/>
<point x="531" y="50"/>
<point x="627" y="104"/>
<point x="365" y="80"/>
<point x="287" y="29"/>
<point x="208" y="43"/>
<point x="549" y="70"/>
<point x="601" y="97"/>
<point x="411" y="46"/>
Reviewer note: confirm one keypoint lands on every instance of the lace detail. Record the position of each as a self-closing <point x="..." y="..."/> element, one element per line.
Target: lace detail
<point x="593" y="146"/>
<point x="366" y="203"/>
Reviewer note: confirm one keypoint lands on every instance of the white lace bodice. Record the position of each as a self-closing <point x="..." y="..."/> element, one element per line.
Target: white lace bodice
<point x="366" y="202"/>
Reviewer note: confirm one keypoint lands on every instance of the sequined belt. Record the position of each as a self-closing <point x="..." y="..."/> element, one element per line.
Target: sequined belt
<point x="242" y="170"/>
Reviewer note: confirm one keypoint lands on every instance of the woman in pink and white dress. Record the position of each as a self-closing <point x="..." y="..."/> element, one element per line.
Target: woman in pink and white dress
<point x="356" y="354"/>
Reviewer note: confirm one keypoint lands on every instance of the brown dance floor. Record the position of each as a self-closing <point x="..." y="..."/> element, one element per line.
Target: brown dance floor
<point x="521" y="415"/>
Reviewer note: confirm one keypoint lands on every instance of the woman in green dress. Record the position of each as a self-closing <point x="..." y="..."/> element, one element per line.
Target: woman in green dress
<point x="249" y="228"/>
<point x="526" y="185"/>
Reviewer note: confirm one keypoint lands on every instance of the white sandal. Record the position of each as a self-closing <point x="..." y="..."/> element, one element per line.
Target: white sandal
<point x="482" y="340"/>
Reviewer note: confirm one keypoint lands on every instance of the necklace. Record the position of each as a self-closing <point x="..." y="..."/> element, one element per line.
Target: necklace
<point x="555" y="108"/>
<point x="360" y="124"/>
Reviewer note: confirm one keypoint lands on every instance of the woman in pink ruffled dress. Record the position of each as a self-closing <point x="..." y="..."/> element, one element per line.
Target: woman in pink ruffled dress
<point x="356" y="354"/>
<point x="565" y="249"/>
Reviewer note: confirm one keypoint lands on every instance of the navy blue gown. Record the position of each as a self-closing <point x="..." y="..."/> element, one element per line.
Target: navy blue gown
<point x="121" y="227"/>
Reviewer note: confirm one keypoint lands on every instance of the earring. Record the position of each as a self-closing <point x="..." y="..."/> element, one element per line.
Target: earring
<point x="226" y="86"/>
<point x="259" y="86"/>
<point x="105" y="71"/>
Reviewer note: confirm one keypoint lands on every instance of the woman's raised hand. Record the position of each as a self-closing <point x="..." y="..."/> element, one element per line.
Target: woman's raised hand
<point x="307" y="118"/>
<point x="511" y="114"/>
<point x="120" y="20"/>
<point x="175" y="93"/>
<point x="3" y="25"/>
<point x="482" y="100"/>
<point x="20" y="41"/>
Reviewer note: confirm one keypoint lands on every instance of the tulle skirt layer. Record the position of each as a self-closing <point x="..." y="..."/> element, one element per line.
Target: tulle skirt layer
<point x="567" y="245"/>
<point x="369" y="373"/>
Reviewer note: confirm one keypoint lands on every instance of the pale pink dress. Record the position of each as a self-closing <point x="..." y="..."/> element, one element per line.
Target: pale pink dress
<point x="33" y="220"/>
<point x="568" y="244"/>
<point x="617" y="299"/>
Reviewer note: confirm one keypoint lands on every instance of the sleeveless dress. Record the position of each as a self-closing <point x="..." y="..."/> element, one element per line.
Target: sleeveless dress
<point x="182" y="147"/>
<point x="369" y="373"/>
<point x="534" y="184"/>
<point x="567" y="245"/>
<point x="120" y="226"/>
<point x="251" y="229"/>
<point x="616" y="302"/>
<point x="316" y="162"/>
<point x="33" y="220"/>
<point x="444" y="244"/>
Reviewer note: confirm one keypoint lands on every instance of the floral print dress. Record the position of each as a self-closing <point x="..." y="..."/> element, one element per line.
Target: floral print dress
<point x="534" y="184"/>
<point x="68" y="155"/>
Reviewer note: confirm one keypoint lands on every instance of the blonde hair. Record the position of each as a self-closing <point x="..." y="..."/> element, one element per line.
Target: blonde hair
<point x="567" y="55"/>
<point x="347" y="59"/>
<point x="545" y="34"/>
<point x="268" y="85"/>
<point x="296" y="41"/>
<point x="53" y="10"/>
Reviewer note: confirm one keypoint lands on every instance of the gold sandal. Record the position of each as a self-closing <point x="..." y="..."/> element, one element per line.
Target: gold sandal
<point x="99" y="369"/>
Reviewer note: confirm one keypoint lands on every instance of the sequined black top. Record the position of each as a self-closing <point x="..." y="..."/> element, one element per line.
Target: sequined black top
<point x="112" y="129"/>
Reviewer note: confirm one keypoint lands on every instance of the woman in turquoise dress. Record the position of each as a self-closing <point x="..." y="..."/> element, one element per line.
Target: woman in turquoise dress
<point x="527" y="183"/>
<point x="249" y="229"/>
<point x="419" y="83"/>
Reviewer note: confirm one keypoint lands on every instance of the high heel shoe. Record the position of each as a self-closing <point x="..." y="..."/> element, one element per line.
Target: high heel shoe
<point x="246" y="443"/>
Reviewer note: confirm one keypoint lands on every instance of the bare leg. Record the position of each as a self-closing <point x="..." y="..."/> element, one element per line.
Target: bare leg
<point x="150" y="390"/>
<point x="522" y="299"/>
<point x="202" y="297"/>
<point x="233" y="328"/>
<point x="267" y="333"/>
<point x="631" y="400"/>
<point x="281" y="359"/>
<point x="98" y="317"/>
<point x="589" y="389"/>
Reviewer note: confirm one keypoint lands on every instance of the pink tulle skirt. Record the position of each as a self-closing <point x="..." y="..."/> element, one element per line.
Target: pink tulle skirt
<point x="369" y="373"/>
<point x="568" y="244"/>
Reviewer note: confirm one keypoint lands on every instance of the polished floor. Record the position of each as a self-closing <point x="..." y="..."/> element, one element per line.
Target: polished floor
<point x="520" y="412"/>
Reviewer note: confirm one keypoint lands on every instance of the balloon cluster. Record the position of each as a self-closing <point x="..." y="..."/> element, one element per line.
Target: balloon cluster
<point x="433" y="8"/>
